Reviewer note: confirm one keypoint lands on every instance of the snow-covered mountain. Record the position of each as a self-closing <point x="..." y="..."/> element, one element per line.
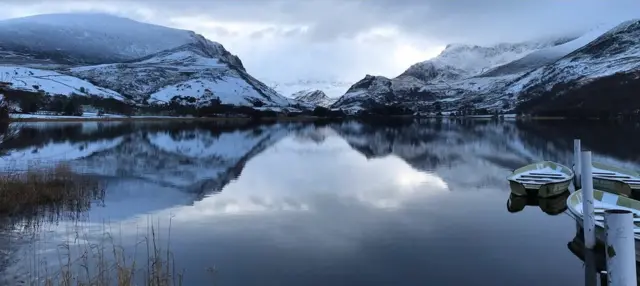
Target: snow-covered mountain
<point x="313" y="98"/>
<point x="378" y="90"/>
<point x="194" y="70"/>
<point x="142" y="62"/>
<point x="333" y="88"/>
<point x="602" y="76"/>
<point x="459" y="61"/>
<point x="504" y="79"/>
<point x="548" y="55"/>
<point x="617" y="50"/>
<point x="80" y="38"/>
<point x="428" y="81"/>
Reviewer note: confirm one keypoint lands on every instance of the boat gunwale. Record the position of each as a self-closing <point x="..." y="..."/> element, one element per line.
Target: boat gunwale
<point x="607" y="167"/>
<point x="577" y="215"/>
<point x="567" y="172"/>
<point x="634" y="176"/>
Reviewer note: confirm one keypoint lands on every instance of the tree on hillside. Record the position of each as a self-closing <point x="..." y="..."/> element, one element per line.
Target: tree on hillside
<point x="72" y="109"/>
<point x="321" y="111"/>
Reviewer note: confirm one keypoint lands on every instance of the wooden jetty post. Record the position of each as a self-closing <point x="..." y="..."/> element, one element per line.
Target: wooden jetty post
<point x="620" y="247"/>
<point x="588" y="217"/>
<point x="577" y="167"/>
<point x="590" y="268"/>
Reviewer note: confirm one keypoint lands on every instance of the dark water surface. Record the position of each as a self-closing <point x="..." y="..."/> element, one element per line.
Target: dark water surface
<point x="347" y="203"/>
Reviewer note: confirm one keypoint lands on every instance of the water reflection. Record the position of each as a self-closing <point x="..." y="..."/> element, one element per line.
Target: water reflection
<point x="595" y="263"/>
<point x="346" y="203"/>
<point x="551" y="206"/>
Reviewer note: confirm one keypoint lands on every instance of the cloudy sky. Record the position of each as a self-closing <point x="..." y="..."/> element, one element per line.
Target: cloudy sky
<point x="287" y="40"/>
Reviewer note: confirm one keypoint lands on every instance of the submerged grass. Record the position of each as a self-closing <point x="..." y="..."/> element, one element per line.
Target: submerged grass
<point x="32" y="193"/>
<point x="30" y="198"/>
<point x="107" y="263"/>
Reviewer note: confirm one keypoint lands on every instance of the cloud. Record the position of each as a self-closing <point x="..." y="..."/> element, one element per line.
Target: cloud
<point x="287" y="40"/>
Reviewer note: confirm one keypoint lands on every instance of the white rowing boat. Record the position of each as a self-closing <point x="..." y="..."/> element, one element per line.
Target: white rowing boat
<point x="603" y="201"/>
<point x="545" y="179"/>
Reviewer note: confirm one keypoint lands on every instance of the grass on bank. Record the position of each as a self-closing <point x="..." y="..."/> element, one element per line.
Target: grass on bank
<point x="31" y="197"/>
<point x="107" y="264"/>
<point x="35" y="191"/>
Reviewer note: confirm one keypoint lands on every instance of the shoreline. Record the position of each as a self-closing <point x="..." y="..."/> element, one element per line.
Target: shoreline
<point x="159" y="118"/>
<point x="28" y="118"/>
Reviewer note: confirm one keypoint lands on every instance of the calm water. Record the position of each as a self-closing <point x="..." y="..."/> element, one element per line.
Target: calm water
<point x="420" y="203"/>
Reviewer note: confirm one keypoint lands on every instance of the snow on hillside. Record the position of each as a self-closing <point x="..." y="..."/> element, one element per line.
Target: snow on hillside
<point x="137" y="60"/>
<point x="314" y="98"/>
<point x="568" y="47"/>
<point x="143" y="78"/>
<point x="230" y="90"/>
<point x="617" y="50"/>
<point x="332" y="88"/>
<point x="51" y="82"/>
<point x="474" y="59"/>
<point x="550" y="54"/>
<point x="530" y="68"/>
<point x="185" y="59"/>
<point x="189" y="70"/>
<point x="459" y="61"/>
<point x="381" y="90"/>
<point x="91" y="36"/>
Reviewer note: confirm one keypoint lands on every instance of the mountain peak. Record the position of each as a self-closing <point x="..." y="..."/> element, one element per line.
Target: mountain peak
<point x="458" y="46"/>
<point x="620" y="40"/>
<point x="313" y="97"/>
<point x="91" y="38"/>
<point x="458" y="61"/>
<point x="142" y="62"/>
<point x="307" y="94"/>
<point x="65" y="18"/>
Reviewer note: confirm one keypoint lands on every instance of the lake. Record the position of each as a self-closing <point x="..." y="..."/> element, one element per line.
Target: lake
<point x="337" y="203"/>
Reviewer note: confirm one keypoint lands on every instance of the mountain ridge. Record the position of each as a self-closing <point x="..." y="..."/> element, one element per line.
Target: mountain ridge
<point x="568" y="62"/>
<point x="140" y="62"/>
<point x="313" y="97"/>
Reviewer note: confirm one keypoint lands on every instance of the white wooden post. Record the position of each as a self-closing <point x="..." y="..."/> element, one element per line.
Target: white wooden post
<point x="577" y="167"/>
<point x="620" y="247"/>
<point x="588" y="219"/>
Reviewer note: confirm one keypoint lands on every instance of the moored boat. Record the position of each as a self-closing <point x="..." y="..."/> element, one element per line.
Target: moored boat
<point x="604" y="201"/>
<point x="544" y="179"/>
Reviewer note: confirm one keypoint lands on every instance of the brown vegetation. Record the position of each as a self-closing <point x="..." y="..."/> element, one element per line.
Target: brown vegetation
<point x="31" y="197"/>
<point x="107" y="264"/>
<point x="29" y="193"/>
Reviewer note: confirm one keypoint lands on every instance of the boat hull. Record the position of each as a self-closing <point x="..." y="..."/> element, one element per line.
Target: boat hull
<point x="543" y="191"/>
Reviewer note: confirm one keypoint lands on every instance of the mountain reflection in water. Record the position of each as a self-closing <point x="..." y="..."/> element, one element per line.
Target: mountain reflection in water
<point x="344" y="203"/>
